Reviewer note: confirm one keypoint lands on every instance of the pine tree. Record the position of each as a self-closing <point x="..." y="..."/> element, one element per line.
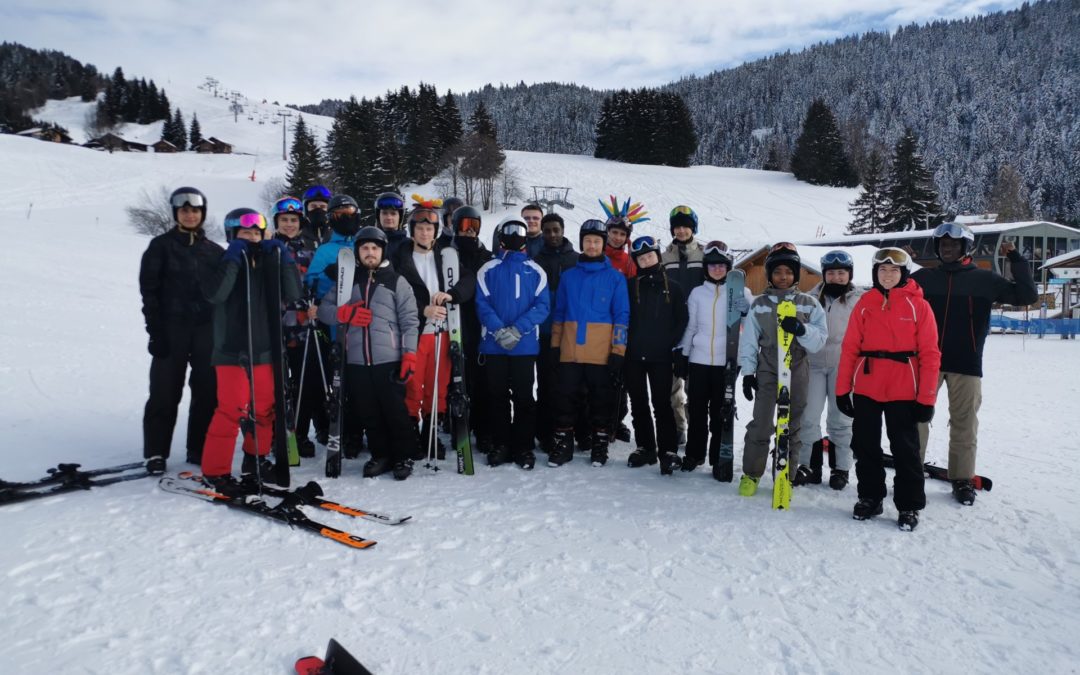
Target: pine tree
<point x="912" y="201"/>
<point x="179" y="131"/>
<point x="168" y="129"/>
<point x="869" y="207"/>
<point x="305" y="160"/>
<point x="819" y="157"/>
<point x="195" y="135"/>
<point x="1009" y="198"/>
<point x="450" y="129"/>
<point x="480" y="122"/>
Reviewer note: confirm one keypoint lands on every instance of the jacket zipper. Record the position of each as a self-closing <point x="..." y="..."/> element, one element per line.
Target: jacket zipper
<point x="367" y="329"/>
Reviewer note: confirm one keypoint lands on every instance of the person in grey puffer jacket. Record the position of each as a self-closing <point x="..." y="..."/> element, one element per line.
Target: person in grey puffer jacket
<point x="380" y="354"/>
<point x="837" y="296"/>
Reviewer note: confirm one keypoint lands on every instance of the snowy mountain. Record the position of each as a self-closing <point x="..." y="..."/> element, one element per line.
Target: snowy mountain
<point x="573" y="569"/>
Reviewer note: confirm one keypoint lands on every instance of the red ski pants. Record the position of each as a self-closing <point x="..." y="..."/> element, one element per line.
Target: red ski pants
<point x="420" y="389"/>
<point x="233" y="398"/>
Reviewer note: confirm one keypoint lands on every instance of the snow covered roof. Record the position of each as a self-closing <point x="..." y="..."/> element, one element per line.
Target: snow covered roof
<point x="1061" y="259"/>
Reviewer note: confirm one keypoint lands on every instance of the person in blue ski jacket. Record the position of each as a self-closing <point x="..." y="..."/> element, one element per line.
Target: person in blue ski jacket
<point x="512" y="301"/>
<point x="344" y="223"/>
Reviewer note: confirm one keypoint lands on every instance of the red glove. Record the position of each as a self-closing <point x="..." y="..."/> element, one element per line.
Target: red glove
<point x="355" y="314"/>
<point x="408" y="366"/>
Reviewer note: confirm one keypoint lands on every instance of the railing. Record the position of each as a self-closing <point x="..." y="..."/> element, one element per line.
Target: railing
<point x="1035" y="326"/>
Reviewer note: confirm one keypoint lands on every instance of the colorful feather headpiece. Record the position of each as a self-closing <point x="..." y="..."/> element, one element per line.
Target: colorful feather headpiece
<point x="420" y="202"/>
<point x="633" y="213"/>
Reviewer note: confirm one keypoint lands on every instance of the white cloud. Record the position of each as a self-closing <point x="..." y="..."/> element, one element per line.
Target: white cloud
<point x="305" y="51"/>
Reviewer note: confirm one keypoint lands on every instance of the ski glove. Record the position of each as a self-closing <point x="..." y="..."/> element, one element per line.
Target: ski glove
<point x="844" y="404"/>
<point x="235" y="252"/>
<point x="749" y="386"/>
<point x="508" y="338"/>
<point x="792" y="325"/>
<point x="355" y="314"/>
<point x="922" y="413"/>
<point x="270" y="245"/>
<point x="408" y="366"/>
<point x="615" y="367"/>
<point x="158" y="345"/>
<point x="680" y="365"/>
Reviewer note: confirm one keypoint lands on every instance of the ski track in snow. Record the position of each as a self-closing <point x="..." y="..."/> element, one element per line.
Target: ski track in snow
<point x="573" y="569"/>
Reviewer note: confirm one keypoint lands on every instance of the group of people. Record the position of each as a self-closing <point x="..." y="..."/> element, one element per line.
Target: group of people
<point x="559" y="344"/>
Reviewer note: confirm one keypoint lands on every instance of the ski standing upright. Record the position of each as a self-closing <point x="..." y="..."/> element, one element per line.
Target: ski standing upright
<point x="457" y="398"/>
<point x="722" y="465"/>
<point x="284" y="436"/>
<point x="781" y="475"/>
<point x="346" y="268"/>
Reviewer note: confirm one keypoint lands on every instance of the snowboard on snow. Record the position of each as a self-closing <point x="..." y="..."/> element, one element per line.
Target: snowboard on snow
<point x="942" y="473"/>
<point x="723" y="461"/>
<point x="338" y="661"/>
<point x="781" y="473"/>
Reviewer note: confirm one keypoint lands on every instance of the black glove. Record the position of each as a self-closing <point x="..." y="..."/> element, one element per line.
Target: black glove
<point x="615" y="366"/>
<point x="681" y="364"/>
<point x="158" y="345"/>
<point x="792" y="325"/>
<point x="844" y="404"/>
<point x="749" y="386"/>
<point x="922" y="413"/>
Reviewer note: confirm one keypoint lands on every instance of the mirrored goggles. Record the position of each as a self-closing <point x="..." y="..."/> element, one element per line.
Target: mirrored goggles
<point x="892" y="256"/>
<point x="286" y="204"/>
<point x="513" y="229"/>
<point x="716" y="247"/>
<point x="837" y="259"/>
<point x="644" y="243"/>
<point x="390" y="202"/>
<point x="317" y="192"/>
<point x="953" y="231"/>
<point x="252" y="220"/>
<point x="468" y="223"/>
<point x="783" y="246"/>
<point x="593" y="226"/>
<point x="188" y="199"/>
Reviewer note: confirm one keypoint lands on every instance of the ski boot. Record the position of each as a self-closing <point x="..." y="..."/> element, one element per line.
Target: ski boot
<point x="802" y="476"/>
<point x="816" y="456"/>
<point x="402" y="469"/>
<point x="155" y="466"/>
<point x="563" y="451"/>
<point x="526" y="459"/>
<point x="498" y="455"/>
<point x="599" y="453"/>
<point x="669" y="461"/>
<point x="581" y="443"/>
<point x="306" y="447"/>
<point x="376" y="466"/>
<point x="865" y="509"/>
<point x="839" y="479"/>
<point x="908" y="520"/>
<point x="265" y="468"/>
<point x="963" y="491"/>
<point x="622" y="433"/>
<point x="748" y="486"/>
<point x="226" y="485"/>
<point x="690" y="463"/>
<point x="484" y="444"/>
<point x="641" y="457"/>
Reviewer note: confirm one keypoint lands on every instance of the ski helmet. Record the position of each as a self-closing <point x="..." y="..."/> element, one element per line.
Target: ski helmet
<point x="243" y="218"/>
<point x="594" y="227"/>
<point x="466" y="218"/>
<point x="346" y="224"/>
<point x="683" y="216"/>
<point x="837" y="260"/>
<point x="618" y="222"/>
<point x="953" y="231"/>
<point x="414" y="217"/>
<point x="390" y="201"/>
<point x="370" y="235"/>
<point x="717" y="253"/>
<point x="512" y="232"/>
<point x="287" y="205"/>
<point x="449" y="205"/>
<point x="892" y="256"/>
<point x="783" y="253"/>
<point x="187" y="196"/>
<point x="316" y="193"/>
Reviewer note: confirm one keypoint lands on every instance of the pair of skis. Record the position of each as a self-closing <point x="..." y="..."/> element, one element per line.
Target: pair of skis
<point x="69" y="478"/>
<point x="286" y="511"/>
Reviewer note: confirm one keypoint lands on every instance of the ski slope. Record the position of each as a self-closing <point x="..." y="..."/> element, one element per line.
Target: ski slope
<point x="571" y="570"/>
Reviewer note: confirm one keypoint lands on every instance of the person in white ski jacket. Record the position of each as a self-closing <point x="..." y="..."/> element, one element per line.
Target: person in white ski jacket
<point x="837" y="296"/>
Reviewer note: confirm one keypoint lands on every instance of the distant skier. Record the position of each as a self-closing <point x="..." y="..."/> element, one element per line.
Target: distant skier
<point x="758" y="360"/>
<point x="238" y="308"/>
<point x="178" y="321"/>
<point x="837" y="296"/>
<point x="381" y="354"/>
<point x="511" y="301"/>
<point x="890" y="362"/>
<point x="962" y="296"/>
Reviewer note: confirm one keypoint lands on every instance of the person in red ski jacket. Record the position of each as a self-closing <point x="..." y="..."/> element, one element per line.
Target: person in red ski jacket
<point x="890" y="361"/>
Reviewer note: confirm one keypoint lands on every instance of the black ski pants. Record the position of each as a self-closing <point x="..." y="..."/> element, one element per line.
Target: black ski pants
<point x="377" y="401"/>
<point x="311" y="393"/>
<point x="189" y="345"/>
<point x="477" y="387"/>
<point x="511" y="377"/>
<point x="647" y="381"/>
<point x="600" y="394"/>
<point x="547" y="390"/>
<point x="705" y="394"/>
<point x="908" y="486"/>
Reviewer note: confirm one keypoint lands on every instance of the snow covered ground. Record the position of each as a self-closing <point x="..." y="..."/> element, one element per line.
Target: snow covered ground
<point x="573" y="569"/>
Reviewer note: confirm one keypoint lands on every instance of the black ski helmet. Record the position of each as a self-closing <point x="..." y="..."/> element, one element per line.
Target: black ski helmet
<point x="512" y="233"/>
<point x="783" y="253"/>
<point x="370" y="235"/>
<point x="187" y="196"/>
<point x="463" y="212"/>
<point x="344" y="224"/>
<point x="592" y="226"/>
<point x="449" y="205"/>
<point x="716" y="252"/>
<point x="232" y="222"/>
<point x="953" y="231"/>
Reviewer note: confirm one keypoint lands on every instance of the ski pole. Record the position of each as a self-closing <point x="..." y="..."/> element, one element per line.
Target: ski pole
<point x="432" y="433"/>
<point x="303" y="369"/>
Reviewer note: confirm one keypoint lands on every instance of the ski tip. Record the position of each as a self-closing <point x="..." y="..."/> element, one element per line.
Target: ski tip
<point x="309" y="665"/>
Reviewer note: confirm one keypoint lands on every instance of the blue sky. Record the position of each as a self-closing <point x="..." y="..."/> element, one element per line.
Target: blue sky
<point x="301" y="52"/>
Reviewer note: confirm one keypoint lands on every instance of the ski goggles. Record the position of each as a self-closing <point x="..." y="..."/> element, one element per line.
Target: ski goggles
<point x="594" y="226"/>
<point x="389" y="202"/>
<point x="468" y="223"/>
<point x="783" y="246"/>
<point x="953" y="231"/>
<point x="287" y="204"/>
<point x="892" y="256"/>
<point x="188" y="199"/>
<point x="316" y="193"/>
<point x="252" y="220"/>
<point x="716" y="247"/>
<point x="683" y="210"/>
<point x="513" y="229"/>
<point x="644" y="243"/>
<point x="431" y="219"/>
<point x="836" y="259"/>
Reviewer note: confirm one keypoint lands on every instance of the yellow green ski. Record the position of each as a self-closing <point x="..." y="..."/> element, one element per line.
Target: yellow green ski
<point x="781" y="477"/>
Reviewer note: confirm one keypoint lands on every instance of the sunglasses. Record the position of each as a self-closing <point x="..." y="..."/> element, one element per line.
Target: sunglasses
<point x="286" y="204"/>
<point x="892" y="256"/>
<point x="188" y="199"/>
<point x="390" y="203"/>
<point x="644" y="243"/>
<point x="252" y="220"/>
<point x="316" y="192"/>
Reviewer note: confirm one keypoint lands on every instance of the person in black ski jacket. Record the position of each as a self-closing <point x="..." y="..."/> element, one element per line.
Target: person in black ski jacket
<point x="178" y="321"/>
<point x="658" y="317"/>
<point x="557" y="256"/>
<point x="962" y="295"/>
<point x="243" y="341"/>
<point x="390" y="218"/>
